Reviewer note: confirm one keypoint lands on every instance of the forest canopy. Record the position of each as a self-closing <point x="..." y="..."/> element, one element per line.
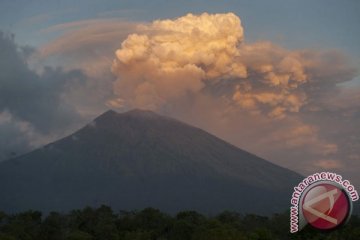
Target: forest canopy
<point x="151" y="224"/>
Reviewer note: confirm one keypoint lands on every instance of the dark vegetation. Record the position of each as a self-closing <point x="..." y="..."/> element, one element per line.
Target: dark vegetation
<point x="103" y="224"/>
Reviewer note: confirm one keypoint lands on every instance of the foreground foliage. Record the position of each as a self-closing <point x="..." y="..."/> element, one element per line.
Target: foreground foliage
<point x="103" y="224"/>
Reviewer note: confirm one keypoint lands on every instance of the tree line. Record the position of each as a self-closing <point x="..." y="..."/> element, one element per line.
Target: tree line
<point x="103" y="223"/>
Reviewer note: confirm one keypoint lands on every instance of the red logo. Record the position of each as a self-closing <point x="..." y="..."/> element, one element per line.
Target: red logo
<point x="326" y="206"/>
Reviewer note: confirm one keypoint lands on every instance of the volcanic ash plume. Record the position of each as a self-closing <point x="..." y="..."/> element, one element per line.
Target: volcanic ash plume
<point x="170" y="60"/>
<point x="174" y="57"/>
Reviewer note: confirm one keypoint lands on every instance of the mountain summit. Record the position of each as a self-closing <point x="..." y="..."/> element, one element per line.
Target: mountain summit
<point x="141" y="159"/>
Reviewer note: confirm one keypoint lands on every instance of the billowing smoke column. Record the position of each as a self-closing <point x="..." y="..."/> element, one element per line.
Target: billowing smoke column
<point x="174" y="57"/>
<point x="169" y="60"/>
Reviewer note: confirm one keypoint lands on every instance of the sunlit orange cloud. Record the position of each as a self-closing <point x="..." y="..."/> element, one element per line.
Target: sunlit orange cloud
<point x="87" y="44"/>
<point x="168" y="59"/>
<point x="87" y="33"/>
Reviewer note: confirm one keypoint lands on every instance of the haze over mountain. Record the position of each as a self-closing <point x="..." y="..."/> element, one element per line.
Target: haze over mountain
<point x="141" y="159"/>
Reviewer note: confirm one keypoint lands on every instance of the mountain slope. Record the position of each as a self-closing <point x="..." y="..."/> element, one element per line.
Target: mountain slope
<point x="139" y="159"/>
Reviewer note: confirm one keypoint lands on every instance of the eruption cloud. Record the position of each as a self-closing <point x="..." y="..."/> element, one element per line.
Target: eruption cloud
<point x="172" y="59"/>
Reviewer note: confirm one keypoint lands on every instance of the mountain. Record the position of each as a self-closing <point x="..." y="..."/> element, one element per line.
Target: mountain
<point x="140" y="159"/>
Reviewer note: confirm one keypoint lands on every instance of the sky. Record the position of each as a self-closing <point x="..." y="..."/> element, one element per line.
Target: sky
<point x="277" y="78"/>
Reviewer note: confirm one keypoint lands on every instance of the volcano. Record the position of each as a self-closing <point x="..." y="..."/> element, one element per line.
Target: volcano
<point x="140" y="159"/>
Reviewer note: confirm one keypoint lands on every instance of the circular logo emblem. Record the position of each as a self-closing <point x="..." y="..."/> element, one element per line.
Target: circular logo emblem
<point x="326" y="206"/>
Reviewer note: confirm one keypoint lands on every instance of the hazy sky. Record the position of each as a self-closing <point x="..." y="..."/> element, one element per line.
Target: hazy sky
<point x="296" y="24"/>
<point x="278" y="78"/>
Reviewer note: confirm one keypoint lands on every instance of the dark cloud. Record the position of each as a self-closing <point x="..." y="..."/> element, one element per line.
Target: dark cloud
<point x="13" y="139"/>
<point x="32" y="104"/>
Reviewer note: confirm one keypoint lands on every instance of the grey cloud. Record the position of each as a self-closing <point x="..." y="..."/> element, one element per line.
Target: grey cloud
<point x="32" y="101"/>
<point x="12" y="139"/>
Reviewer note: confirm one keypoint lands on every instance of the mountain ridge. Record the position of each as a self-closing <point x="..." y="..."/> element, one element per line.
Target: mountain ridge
<point x="142" y="159"/>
